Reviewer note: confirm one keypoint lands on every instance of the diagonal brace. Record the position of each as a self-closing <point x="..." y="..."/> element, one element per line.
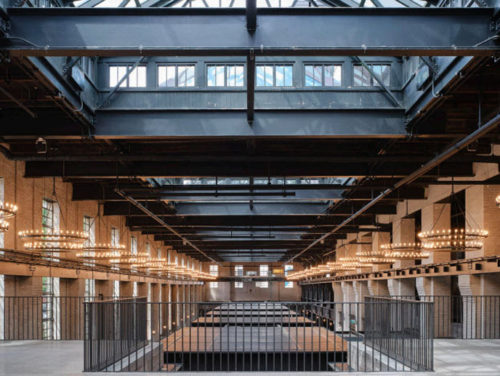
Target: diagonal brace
<point x="145" y="210"/>
<point x="117" y="86"/>
<point x="391" y="96"/>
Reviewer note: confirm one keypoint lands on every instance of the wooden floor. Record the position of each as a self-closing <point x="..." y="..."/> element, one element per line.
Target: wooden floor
<point x="269" y="338"/>
<point x="244" y="338"/>
<point x="253" y="321"/>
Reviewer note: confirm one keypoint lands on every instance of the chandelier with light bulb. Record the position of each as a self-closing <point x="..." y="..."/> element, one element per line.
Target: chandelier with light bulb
<point x="453" y="240"/>
<point x="404" y="251"/>
<point x="131" y="259"/>
<point x="102" y="251"/>
<point x="7" y="210"/>
<point x="373" y="257"/>
<point x="53" y="241"/>
<point x="4" y="225"/>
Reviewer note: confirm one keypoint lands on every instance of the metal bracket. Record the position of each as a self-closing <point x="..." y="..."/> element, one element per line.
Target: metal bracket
<point x="430" y="63"/>
<point x="70" y="64"/>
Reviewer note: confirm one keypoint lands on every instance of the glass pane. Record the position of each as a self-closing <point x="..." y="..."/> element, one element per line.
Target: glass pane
<point x="288" y="75"/>
<point x="170" y="76"/>
<point x="219" y="75"/>
<point x="211" y="76"/>
<point x="181" y="76"/>
<point x="268" y="75"/>
<point x="162" y="76"/>
<point x="357" y="75"/>
<point x="377" y="71"/>
<point x="132" y="78"/>
<point x="309" y="71"/>
<point x="113" y="76"/>
<point x="122" y="71"/>
<point x="141" y="77"/>
<point x="280" y="75"/>
<point x="260" y="75"/>
<point x="386" y="74"/>
<point x="231" y="75"/>
<point x="190" y="76"/>
<point x="318" y="73"/>
<point x="366" y="77"/>
<point x="240" y="75"/>
<point x="337" y="75"/>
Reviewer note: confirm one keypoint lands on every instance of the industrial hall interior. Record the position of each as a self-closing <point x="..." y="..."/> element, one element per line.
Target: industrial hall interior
<point x="249" y="187"/>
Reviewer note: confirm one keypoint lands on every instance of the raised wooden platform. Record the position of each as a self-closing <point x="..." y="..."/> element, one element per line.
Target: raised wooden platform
<point x="267" y="320"/>
<point x="241" y="348"/>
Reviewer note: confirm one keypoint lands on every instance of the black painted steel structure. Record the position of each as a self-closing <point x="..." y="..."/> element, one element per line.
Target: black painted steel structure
<point x="249" y="172"/>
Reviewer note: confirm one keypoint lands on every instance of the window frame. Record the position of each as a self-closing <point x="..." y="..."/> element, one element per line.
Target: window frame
<point x="213" y="270"/>
<point x="176" y="86"/>
<point x="274" y="65"/>
<point x="263" y="284"/>
<point x="225" y="65"/>
<point x="323" y="65"/>
<point x="127" y="86"/>
<point x="238" y="284"/>
<point x="373" y="82"/>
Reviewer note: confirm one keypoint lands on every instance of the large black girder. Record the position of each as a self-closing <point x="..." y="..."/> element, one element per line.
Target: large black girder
<point x="228" y="169"/>
<point x="124" y="208"/>
<point x="320" y="230"/>
<point x="200" y="32"/>
<point x="230" y="208"/>
<point x="248" y="244"/>
<point x="255" y="220"/>
<point x="173" y="124"/>
<point x="360" y="123"/>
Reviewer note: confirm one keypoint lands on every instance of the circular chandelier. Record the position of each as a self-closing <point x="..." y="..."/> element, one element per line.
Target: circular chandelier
<point x="352" y="262"/>
<point x="54" y="241"/>
<point x="52" y="247"/>
<point x="102" y="251"/>
<point x="152" y="264"/>
<point x="7" y="210"/>
<point x="131" y="259"/>
<point x="374" y="257"/>
<point x="453" y="240"/>
<point x="337" y="267"/>
<point x="4" y="225"/>
<point x="404" y="251"/>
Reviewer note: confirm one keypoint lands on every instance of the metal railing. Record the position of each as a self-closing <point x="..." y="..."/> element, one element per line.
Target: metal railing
<point x="403" y="330"/>
<point x="46" y="317"/>
<point x="258" y="336"/>
<point x="464" y="316"/>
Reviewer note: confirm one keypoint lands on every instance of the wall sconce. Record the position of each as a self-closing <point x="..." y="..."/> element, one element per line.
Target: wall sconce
<point x="497" y="200"/>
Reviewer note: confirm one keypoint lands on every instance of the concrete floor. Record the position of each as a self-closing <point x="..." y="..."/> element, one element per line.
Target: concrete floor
<point x="451" y="357"/>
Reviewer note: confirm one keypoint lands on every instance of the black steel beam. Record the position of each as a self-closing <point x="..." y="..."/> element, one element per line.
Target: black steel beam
<point x="249" y="244"/>
<point x="199" y="32"/>
<point x="158" y="220"/>
<point x="257" y="220"/>
<point x="152" y="230"/>
<point x="233" y="123"/>
<point x="226" y="123"/>
<point x="159" y="208"/>
<point x="232" y="169"/>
